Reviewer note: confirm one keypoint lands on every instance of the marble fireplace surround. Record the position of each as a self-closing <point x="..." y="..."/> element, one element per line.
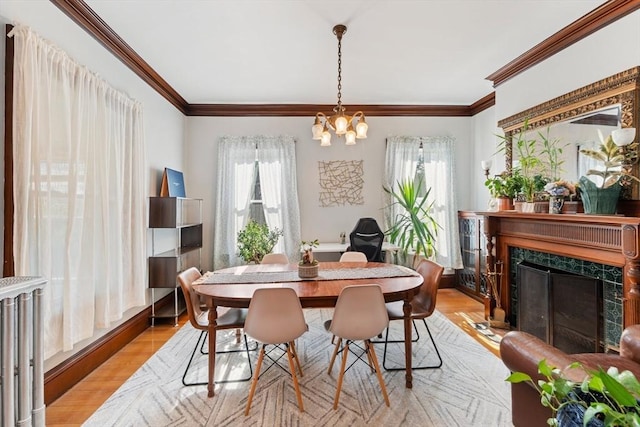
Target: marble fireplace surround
<point x="594" y="241"/>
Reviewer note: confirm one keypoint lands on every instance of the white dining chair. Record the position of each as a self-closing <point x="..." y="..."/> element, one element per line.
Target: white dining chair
<point x="360" y="314"/>
<point x="353" y="256"/>
<point x="275" y="317"/>
<point x="275" y="259"/>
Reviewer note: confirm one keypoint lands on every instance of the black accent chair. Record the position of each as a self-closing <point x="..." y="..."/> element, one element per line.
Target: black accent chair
<point x="367" y="238"/>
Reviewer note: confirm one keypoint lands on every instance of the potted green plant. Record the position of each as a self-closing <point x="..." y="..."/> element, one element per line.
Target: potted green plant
<point x="308" y="265"/>
<point x="503" y="188"/>
<point x="414" y="228"/>
<point x="256" y="240"/>
<point x="603" y="199"/>
<point x="602" y="399"/>
<point x="538" y="161"/>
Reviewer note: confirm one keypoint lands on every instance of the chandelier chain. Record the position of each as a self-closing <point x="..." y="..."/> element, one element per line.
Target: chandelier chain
<point x="339" y="74"/>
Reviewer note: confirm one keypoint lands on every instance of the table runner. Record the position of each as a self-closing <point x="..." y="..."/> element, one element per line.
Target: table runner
<point x="292" y="276"/>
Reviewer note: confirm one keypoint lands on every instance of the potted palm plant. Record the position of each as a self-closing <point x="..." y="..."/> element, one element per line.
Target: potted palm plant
<point x="414" y="228"/>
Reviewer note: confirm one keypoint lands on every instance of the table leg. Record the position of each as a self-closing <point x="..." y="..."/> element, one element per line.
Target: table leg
<point x="213" y="316"/>
<point x="407" y="342"/>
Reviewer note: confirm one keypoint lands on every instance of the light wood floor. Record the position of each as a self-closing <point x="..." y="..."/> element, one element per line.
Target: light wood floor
<point x="77" y="405"/>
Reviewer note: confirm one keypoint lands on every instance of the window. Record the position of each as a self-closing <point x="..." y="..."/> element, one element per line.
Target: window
<point x="256" y="180"/>
<point x="402" y="159"/>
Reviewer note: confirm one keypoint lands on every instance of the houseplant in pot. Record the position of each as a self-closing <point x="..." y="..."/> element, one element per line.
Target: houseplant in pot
<point x="603" y="199"/>
<point x="256" y="240"/>
<point x="602" y="399"/>
<point x="308" y="266"/>
<point x="414" y="227"/>
<point x="503" y="188"/>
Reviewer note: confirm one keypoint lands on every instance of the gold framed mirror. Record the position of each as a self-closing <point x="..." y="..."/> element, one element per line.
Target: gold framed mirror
<point x="619" y="92"/>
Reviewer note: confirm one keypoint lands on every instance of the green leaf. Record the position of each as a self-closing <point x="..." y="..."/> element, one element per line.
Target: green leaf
<point x="518" y="377"/>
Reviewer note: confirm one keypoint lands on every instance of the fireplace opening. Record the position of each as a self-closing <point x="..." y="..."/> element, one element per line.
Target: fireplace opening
<point x="563" y="309"/>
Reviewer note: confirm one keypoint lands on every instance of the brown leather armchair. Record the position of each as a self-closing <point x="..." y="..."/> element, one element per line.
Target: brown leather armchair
<point x="521" y="352"/>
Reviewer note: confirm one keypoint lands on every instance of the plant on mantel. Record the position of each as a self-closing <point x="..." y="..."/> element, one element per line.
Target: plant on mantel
<point x="539" y="161"/>
<point x="603" y="199"/>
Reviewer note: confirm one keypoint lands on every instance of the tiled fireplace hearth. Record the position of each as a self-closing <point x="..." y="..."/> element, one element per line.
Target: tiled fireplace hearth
<point x="610" y="276"/>
<point x="599" y="247"/>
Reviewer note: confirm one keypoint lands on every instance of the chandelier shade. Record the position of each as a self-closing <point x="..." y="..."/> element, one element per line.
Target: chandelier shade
<point x="351" y="126"/>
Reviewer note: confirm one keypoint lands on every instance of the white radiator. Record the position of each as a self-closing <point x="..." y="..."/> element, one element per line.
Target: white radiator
<point x="22" y="356"/>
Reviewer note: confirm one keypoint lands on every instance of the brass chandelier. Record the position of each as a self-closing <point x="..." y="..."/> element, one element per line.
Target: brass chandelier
<point x="340" y="122"/>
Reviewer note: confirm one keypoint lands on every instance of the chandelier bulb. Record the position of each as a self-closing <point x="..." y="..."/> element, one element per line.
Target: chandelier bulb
<point x="361" y="128"/>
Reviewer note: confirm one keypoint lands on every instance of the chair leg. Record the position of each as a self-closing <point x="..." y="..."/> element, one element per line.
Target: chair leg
<point x="296" y="386"/>
<point x="296" y="358"/>
<point x="345" y="354"/>
<point x="333" y="356"/>
<point x="374" y="359"/>
<point x="254" y="382"/>
<point x="184" y="376"/>
<point x="435" y="347"/>
<point x="203" y="338"/>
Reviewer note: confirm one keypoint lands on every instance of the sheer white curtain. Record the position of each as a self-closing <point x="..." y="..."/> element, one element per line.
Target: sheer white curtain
<point x="277" y="165"/>
<point x="236" y="161"/>
<point x="79" y="191"/>
<point x="439" y="169"/>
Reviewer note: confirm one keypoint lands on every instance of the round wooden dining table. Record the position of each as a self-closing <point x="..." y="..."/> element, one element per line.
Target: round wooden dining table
<point x="234" y="287"/>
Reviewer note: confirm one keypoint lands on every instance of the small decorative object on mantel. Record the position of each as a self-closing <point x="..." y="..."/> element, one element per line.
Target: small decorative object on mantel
<point x="558" y="191"/>
<point x="616" y="160"/>
<point x="308" y="267"/>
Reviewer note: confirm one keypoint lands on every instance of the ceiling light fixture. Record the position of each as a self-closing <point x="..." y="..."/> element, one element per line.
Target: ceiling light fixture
<point x="340" y="122"/>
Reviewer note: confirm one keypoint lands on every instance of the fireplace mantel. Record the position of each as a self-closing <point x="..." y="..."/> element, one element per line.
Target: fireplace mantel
<point x="611" y="240"/>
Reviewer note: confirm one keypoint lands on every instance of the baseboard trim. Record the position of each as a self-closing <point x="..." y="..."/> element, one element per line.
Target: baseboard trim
<point x="447" y="281"/>
<point x="62" y="377"/>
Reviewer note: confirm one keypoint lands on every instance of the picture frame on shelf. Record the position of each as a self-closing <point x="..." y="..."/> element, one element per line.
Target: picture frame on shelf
<point x="172" y="184"/>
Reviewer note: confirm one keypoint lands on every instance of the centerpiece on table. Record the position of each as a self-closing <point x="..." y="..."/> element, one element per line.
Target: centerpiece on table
<point x="308" y="266"/>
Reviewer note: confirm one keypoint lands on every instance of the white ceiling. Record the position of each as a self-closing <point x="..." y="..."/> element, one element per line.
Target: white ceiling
<point x="422" y="52"/>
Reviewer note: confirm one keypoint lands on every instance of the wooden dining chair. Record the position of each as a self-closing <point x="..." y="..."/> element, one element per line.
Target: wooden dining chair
<point x="353" y="256"/>
<point x="422" y="306"/>
<point x="359" y="315"/>
<point x="276" y="258"/>
<point x="275" y="317"/>
<point x="232" y="318"/>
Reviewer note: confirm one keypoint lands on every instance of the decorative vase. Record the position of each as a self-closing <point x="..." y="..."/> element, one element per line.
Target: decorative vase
<point x="307" y="271"/>
<point x="596" y="200"/>
<point x="555" y="204"/>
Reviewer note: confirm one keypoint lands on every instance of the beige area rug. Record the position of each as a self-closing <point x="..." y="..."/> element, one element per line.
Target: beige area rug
<point x="468" y="390"/>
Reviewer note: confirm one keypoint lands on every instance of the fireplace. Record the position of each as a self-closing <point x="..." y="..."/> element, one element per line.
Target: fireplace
<point x="563" y="309"/>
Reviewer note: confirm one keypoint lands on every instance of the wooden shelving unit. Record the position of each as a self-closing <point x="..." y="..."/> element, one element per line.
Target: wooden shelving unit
<point x="179" y="220"/>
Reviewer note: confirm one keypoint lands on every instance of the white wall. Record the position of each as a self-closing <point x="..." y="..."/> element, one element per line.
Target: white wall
<point x="318" y="222"/>
<point x="163" y="123"/>
<point x="484" y="148"/>
<point x="611" y="50"/>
